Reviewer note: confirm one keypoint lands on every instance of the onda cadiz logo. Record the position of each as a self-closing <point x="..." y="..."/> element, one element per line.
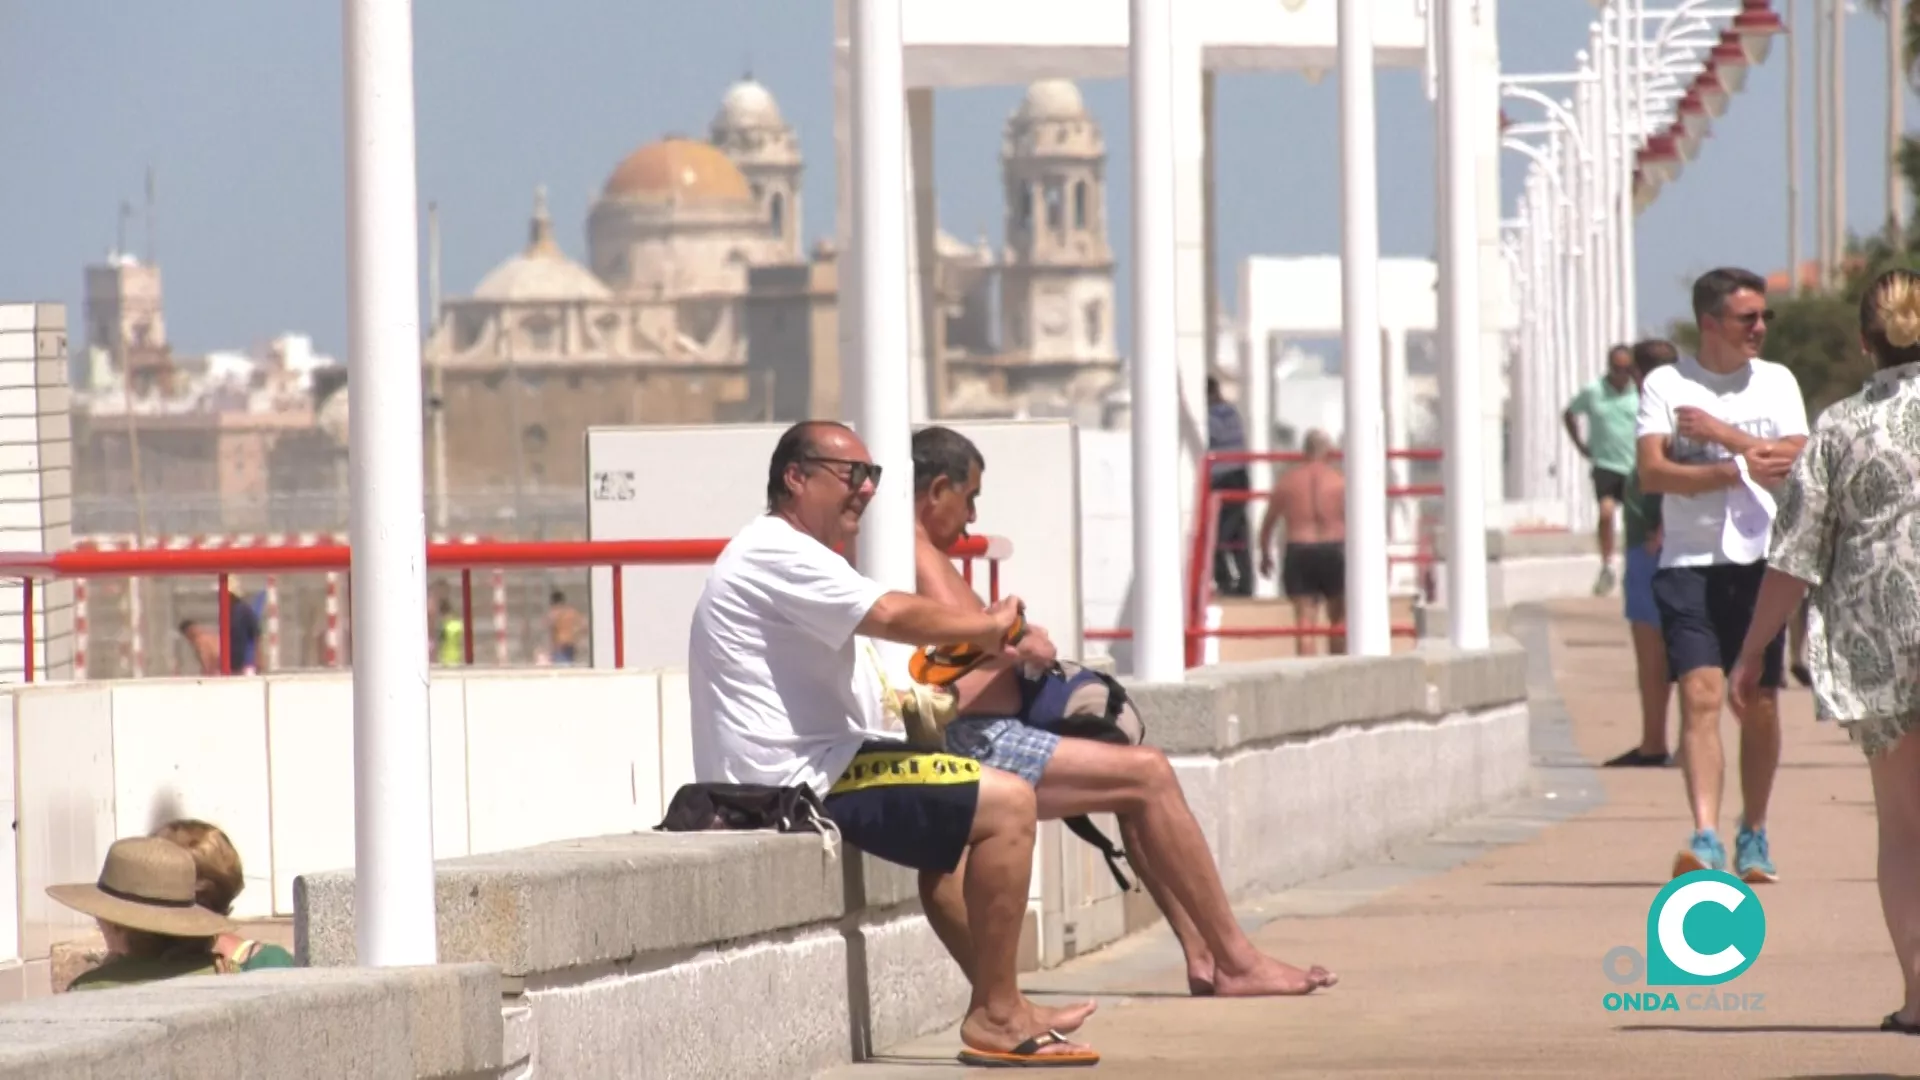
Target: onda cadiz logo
<point x="1704" y="929"/>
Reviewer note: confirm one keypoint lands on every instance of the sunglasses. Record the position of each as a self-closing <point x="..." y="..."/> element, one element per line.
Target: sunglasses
<point x="1750" y="317"/>
<point x="859" y="473"/>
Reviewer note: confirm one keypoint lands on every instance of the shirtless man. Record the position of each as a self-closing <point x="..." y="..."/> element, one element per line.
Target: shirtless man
<point x="1312" y="498"/>
<point x="1073" y="776"/>
<point x="564" y="629"/>
<point x="205" y="643"/>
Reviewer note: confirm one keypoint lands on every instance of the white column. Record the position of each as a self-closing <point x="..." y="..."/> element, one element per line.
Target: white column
<point x="1462" y="121"/>
<point x="1191" y="316"/>
<point x="1369" y="627"/>
<point x="1636" y="124"/>
<point x="925" y="373"/>
<point x="1483" y="117"/>
<point x="884" y="396"/>
<point x="393" y="809"/>
<point x="1158" y="622"/>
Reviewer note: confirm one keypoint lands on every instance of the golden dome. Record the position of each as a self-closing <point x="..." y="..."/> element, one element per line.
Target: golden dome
<point x="674" y="169"/>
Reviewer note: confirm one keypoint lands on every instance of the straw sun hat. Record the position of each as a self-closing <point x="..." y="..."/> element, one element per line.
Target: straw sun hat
<point x="146" y="884"/>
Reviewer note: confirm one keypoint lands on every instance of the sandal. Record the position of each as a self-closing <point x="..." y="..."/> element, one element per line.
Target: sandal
<point x="1894" y="1023"/>
<point x="1028" y="1056"/>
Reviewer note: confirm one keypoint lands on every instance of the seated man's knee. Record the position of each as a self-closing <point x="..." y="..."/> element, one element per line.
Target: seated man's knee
<point x="1007" y="804"/>
<point x="1150" y="764"/>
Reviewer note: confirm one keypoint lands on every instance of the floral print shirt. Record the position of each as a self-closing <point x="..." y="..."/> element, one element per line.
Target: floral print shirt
<point x="1849" y="526"/>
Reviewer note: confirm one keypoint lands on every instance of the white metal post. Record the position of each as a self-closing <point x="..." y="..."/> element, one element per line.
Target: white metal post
<point x="884" y="396"/>
<point x="1636" y="126"/>
<point x="1369" y="627"/>
<point x="1159" y="627"/>
<point x="1459" y="320"/>
<point x="392" y="775"/>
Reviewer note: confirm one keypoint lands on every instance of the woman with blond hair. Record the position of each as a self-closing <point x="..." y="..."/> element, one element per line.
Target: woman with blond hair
<point x="218" y="882"/>
<point x="1847" y="539"/>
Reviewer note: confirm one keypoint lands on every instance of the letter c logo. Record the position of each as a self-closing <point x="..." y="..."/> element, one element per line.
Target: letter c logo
<point x="1673" y="959"/>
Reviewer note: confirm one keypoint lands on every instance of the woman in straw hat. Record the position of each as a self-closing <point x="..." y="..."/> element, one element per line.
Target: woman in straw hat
<point x="144" y="903"/>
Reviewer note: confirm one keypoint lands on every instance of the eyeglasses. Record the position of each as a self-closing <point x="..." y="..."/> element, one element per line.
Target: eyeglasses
<point x="859" y="473"/>
<point x="1751" y="317"/>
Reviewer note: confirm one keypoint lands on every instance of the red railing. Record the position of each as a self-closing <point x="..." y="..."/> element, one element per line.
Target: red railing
<point x="465" y="557"/>
<point x="1206" y="543"/>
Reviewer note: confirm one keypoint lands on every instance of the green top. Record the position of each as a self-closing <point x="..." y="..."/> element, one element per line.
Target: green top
<point x="127" y="971"/>
<point x="265" y="955"/>
<point x="1641" y="510"/>
<point x="1613" y="416"/>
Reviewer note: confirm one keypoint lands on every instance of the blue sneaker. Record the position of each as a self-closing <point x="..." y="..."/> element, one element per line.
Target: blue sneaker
<point x="1704" y="852"/>
<point x="1752" y="861"/>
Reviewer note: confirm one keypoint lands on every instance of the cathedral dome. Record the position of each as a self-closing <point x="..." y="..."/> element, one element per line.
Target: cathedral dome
<point x="1053" y="99"/>
<point x="542" y="272"/>
<point x="748" y="105"/>
<point x="674" y="170"/>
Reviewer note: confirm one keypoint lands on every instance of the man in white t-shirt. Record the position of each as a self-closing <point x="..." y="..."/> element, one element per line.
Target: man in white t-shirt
<point x="1716" y="433"/>
<point x="780" y="696"/>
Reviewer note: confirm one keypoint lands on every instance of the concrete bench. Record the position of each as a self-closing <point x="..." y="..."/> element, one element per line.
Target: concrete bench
<point x="757" y="955"/>
<point x="439" y="1022"/>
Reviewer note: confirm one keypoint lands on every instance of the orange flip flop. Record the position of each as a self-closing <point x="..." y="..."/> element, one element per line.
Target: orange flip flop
<point x="1028" y="1056"/>
<point x="940" y="665"/>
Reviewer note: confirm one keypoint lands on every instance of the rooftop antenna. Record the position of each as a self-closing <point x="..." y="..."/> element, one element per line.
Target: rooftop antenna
<point x="120" y="229"/>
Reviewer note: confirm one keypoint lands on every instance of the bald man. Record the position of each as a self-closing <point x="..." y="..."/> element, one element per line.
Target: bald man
<point x="1311" y="498"/>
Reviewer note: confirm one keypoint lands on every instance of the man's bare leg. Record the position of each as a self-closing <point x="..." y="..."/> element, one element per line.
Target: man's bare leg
<point x="1337" y="616"/>
<point x="999" y="872"/>
<point x="1306" y="616"/>
<point x="1087" y="777"/>
<point x="1759" y="756"/>
<point x="943" y="899"/>
<point x="1656" y="689"/>
<point x="1702" y="761"/>
<point x="1193" y="945"/>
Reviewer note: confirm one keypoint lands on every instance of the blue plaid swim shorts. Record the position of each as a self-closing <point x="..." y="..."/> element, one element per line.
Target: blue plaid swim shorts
<point x="1008" y="745"/>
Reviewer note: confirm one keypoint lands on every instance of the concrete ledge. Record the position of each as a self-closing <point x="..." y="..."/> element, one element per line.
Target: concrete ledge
<point x="1474" y="680"/>
<point x="429" y="1022"/>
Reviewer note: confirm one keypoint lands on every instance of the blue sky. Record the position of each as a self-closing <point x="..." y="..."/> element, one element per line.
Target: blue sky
<point x="238" y="107"/>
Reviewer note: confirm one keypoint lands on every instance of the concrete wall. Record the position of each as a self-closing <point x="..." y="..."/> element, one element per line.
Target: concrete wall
<point x="638" y="954"/>
<point x="435" y="1022"/>
<point x="270" y="760"/>
<point x="1522" y="568"/>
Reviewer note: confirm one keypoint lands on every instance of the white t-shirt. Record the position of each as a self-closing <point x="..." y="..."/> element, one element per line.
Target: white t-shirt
<point x="1762" y="399"/>
<point x="778" y="689"/>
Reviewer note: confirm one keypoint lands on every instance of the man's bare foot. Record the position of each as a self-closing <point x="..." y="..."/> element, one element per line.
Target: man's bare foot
<point x="1271" y="978"/>
<point x="1200" y="977"/>
<point x="1065" y="1018"/>
<point x="980" y="1032"/>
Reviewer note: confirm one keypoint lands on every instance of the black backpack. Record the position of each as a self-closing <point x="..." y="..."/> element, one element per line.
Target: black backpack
<point x="701" y="807"/>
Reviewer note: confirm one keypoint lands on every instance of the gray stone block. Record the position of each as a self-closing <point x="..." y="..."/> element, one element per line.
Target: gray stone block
<point x="773" y="1010"/>
<point x="1222" y="707"/>
<point x="1475" y="679"/>
<point x="441" y="1021"/>
<point x="577" y="903"/>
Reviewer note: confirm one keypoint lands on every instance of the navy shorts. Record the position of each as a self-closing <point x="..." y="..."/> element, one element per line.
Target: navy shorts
<point x="1704" y="613"/>
<point x="907" y="806"/>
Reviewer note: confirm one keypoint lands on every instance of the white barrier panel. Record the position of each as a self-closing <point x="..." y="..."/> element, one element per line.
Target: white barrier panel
<point x="688" y="483"/>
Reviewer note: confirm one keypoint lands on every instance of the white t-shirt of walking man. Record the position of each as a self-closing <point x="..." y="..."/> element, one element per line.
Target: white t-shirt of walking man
<point x="1761" y="399"/>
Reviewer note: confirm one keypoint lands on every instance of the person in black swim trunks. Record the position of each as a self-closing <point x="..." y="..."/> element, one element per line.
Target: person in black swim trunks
<point x="1312" y="499"/>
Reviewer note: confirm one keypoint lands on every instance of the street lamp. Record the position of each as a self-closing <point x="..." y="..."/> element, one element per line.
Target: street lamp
<point x="1712" y="92"/>
<point x="1756" y="26"/>
<point x="1729" y="59"/>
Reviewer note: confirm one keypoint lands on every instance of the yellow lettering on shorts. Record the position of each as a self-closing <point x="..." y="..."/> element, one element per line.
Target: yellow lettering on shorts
<point x="905" y="768"/>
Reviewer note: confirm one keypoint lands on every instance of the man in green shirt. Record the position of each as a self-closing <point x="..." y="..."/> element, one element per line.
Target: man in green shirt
<point x="1641" y="512"/>
<point x="1611" y="405"/>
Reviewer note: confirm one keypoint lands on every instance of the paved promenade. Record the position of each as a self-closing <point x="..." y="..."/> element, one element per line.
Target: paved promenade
<point x="1479" y="953"/>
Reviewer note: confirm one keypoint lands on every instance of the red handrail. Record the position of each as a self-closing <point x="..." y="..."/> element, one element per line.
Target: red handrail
<point x="30" y="567"/>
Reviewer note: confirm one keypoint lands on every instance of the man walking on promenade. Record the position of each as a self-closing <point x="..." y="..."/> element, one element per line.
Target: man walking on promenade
<point x="1640" y="514"/>
<point x="1611" y="405"/>
<point x="1716" y="432"/>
